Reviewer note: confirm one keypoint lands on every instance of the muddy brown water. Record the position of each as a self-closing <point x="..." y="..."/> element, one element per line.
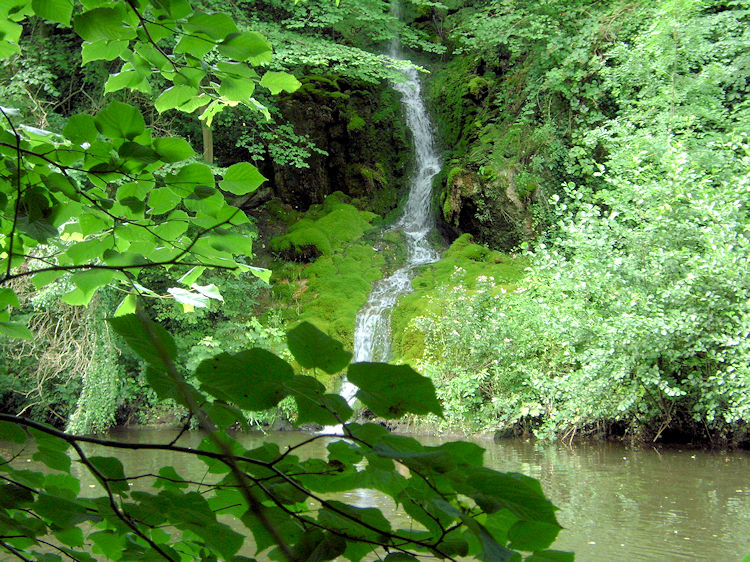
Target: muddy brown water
<point x="615" y="503"/>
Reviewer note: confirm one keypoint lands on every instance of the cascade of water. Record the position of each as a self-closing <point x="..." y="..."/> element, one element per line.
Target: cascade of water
<point x="373" y="325"/>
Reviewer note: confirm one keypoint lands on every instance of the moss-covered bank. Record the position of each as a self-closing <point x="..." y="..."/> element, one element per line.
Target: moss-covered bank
<point x="464" y="262"/>
<point x="326" y="263"/>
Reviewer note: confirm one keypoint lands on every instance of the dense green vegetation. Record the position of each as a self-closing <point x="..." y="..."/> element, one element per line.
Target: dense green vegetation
<point x="582" y="133"/>
<point x="612" y="139"/>
<point x="102" y="212"/>
<point x="593" y="199"/>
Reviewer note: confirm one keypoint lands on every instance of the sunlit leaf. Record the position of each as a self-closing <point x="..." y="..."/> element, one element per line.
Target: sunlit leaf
<point x="280" y="82"/>
<point x="241" y="178"/>
<point x="120" y="120"/>
<point x="174" y="96"/>
<point x="58" y="11"/>
<point x="102" y="24"/>
<point x="172" y="149"/>
<point x="247" y="45"/>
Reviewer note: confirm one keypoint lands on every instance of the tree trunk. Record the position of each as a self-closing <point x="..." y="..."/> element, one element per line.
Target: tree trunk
<point x="208" y="143"/>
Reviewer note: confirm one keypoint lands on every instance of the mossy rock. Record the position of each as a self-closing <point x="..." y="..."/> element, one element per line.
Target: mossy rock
<point x="330" y="289"/>
<point x="338" y="224"/>
<point x="337" y="286"/>
<point x="478" y="87"/>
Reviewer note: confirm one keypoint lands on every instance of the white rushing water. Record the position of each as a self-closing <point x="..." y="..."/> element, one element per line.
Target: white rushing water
<point x="372" y="333"/>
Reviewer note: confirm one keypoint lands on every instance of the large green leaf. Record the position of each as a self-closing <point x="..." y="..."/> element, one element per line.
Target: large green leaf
<point x="247" y="45"/>
<point x="81" y="128"/>
<point x="519" y="494"/>
<point x="120" y="120"/>
<point x="254" y="379"/>
<point x="111" y="468"/>
<point x="314" y="349"/>
<point x="103" y="50"/>
<point x="162" y="200"/>
<point x="194" y="46"/>
<point x="89" y="281"/>
<point x="315" y="545"/>
<point x="108" y="543"/>
<point x="391" y="391"/>
<point x="174" y="96"/>
<point x="14" y="496"/>
<point x="216" y="25"/>
<point x="314" y="406"/>
<point x="347" y="518"/>
<point x="532" y="535"/>
<point x="56" y="460"/>
<point x="136" y="334"/>
<point x="58" y="11"/>
<point x="62" y="512"/>
<point x="241" y="178"/>
<point x="190" y="176"/>
<point x="280" y="82"/>
<point x="286" y="526"/>
<point x="236" y="89"/>
<point x="15" y="330"/>
<point x="172" y="149"/>
<point x="102" y="24"/>
<point x="12" y="432"/>
<point x="492" y="551"/>
<point x="128" y="77"/>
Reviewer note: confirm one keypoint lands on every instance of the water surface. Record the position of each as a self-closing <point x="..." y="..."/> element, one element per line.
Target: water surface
<point x="615" y="503"/>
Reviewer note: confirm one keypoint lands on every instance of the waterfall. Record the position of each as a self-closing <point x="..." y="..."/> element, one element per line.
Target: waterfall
<point x="372" y="333"/>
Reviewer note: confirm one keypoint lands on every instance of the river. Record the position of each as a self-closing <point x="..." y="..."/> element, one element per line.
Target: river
<point x="615" y="503"/>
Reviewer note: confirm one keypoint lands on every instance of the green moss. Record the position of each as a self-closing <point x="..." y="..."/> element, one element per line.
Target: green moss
<point x="447" y="207"/>
<point x="279" y="212"/>
<point x="452" y="173"/>
<point x="463" y="262"/>
<point x="356" y="123"/>
<point x="330" y="290"/>
<point x="338" y="224"/>
<point x="478" y="86"/>
<point x="526" y="183"/>
<point x="337" y="287"/>
<point x="320" y="80"/>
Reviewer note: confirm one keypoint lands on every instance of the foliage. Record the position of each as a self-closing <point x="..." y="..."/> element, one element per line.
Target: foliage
<point x="463" y="263"/>
<point x="635" y="317"/>
<point x="458" y="508"/>
<point x="620" y="127"/>
<point x="97" y="403"/>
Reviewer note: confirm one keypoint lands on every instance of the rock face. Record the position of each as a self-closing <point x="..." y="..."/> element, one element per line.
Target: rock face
<point x="498" y="172"/>
<point x="362" y="132"/>
<point x="491" y="207"/>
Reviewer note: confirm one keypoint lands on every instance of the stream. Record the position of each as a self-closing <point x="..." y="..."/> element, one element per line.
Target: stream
<point x="615" y="503"/>
<point x="372" y="332"/>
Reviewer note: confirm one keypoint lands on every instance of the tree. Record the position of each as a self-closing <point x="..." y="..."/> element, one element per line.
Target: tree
<point x="104" y="200"/>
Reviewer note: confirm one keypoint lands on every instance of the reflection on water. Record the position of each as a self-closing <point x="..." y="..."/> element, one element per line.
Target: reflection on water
<point x="618" y="503"/>
<point x="615" y="503"/>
